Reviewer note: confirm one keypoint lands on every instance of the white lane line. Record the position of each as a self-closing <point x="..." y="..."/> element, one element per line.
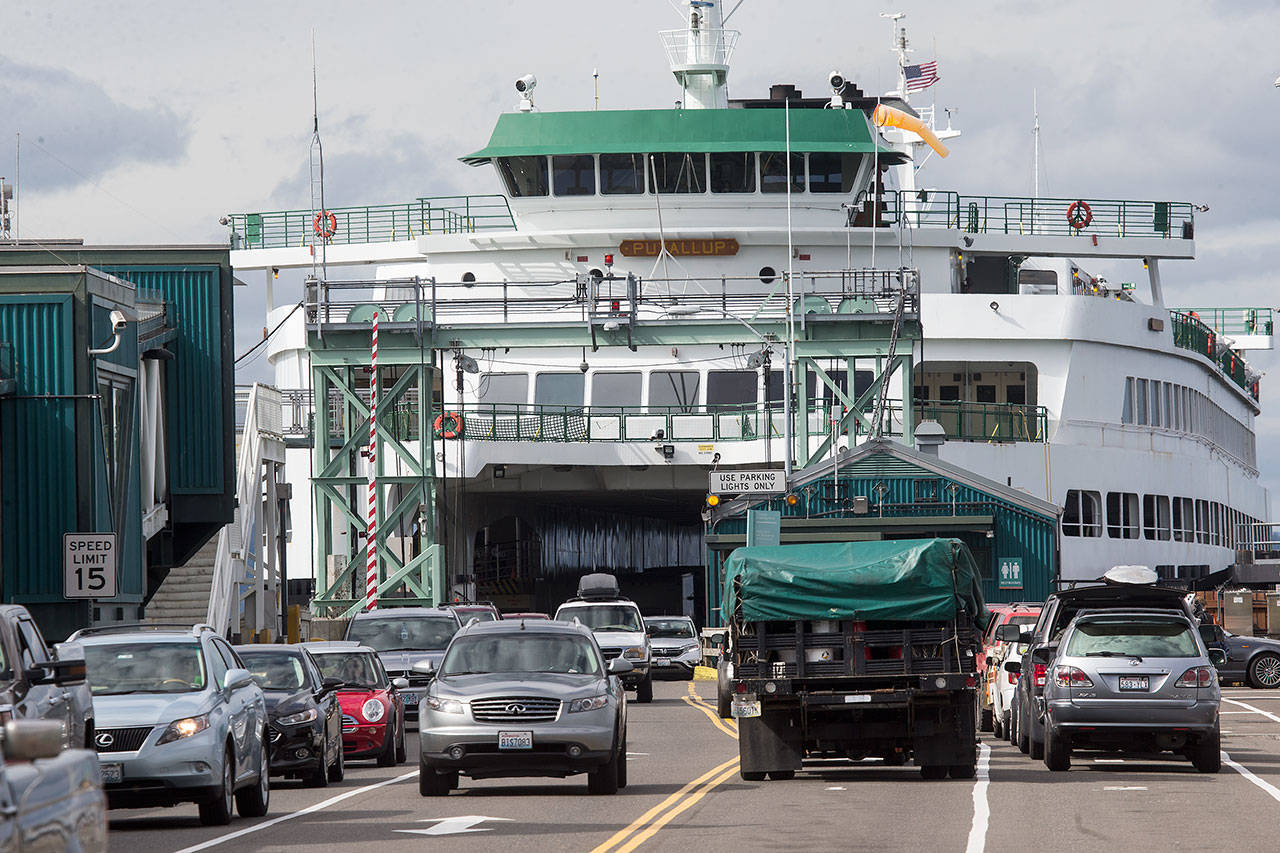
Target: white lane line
<point x="836" y="788"/>
<point x="1250" y="708"/>
<point x="222" y="839"/>
<point x="981" y="810"/>
<point x="1125" y="788"/>
<point x="1248" y="774"/>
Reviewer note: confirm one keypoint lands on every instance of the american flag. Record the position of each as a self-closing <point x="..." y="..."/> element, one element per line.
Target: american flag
<point x="922" y="76"/>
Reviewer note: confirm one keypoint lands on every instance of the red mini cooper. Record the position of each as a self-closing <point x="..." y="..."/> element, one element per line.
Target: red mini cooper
<point x="372" y="707"/>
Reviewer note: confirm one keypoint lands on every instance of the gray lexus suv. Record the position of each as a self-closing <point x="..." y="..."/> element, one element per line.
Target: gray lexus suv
<point x="524" y="698"/>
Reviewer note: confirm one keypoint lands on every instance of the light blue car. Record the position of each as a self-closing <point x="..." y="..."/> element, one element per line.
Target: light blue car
<point x="179" y="719"/>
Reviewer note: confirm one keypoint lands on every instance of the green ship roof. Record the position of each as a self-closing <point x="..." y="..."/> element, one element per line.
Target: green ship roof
<point x="646" y="131"/>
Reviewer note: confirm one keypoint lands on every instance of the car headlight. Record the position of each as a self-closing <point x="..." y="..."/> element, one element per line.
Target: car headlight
<point x="445" y="706"/>
<point x="373" y="710"/>
<point x="185" y="727"/>
<point x="591" y="703"/>
<point x="635" y="653"/>
<point x="299" y="718"/>
<point x="692" y="647"/>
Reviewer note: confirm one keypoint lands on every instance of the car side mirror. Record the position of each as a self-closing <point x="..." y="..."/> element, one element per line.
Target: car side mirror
<point x="237" y="678"/>
<point x="1008" y="633"/>
<point x="1217" y="657"/>
<point x="1014" y="666"/>
<point x="618" y="666"/>
<point x="65" y="673"/>
<point x="424" y="667"/>
<point x="330" y="684"/>
<point x="1044" y="654"/>
<point x="27" y="740"/>
<point x="400" y="683"/>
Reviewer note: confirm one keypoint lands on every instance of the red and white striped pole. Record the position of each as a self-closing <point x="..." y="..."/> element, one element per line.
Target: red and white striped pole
<point x="371" y="539"/>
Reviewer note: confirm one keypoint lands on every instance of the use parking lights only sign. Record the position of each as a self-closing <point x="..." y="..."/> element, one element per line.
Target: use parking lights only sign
<point x="747" y="482"/>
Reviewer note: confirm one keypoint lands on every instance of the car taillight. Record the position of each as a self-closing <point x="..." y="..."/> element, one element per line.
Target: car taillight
<point x="1071" y="676"/>
<point x="1038" y="673"/>
<point x="1197" y="676"/>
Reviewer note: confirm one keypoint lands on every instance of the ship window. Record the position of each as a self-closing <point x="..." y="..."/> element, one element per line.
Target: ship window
<point x="1122" y="515"/>
<point x="678" y="173"/>
<point x="1126" y="410"/>
<point x="1184" y="520"/>
<point x="524" y="176"/>
<point x="1169" y="418"/>
<point x="573" y="174"/>
<point x="560" y="389"/>
<point x="862" y="380"/>
<point x="733" y="173"/>
<point x="949" y="393"/>
<point x="621" y="174"/>
<point x="1155" y="517"/>
<point x="506" y="392"/>
<point x="732" y="389"/>
<point x="1202" y="522"/>
<point x="773" y="173"/>
<point x="1016" y="394"/>
<point x="1080" y="515"/>
<point x="1142" y="402"/>
<point x="677" y="389"/>
<point x="1215" y="523"/>
<point x="615" y="390"/>
<point x="984" y="393"/>
<point x="833" y="173"/>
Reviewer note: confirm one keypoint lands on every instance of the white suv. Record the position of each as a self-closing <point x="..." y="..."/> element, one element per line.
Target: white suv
<point x="620" y="632"/>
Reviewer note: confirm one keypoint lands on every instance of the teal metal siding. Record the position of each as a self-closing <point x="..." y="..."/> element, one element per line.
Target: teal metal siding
<point x="38" y="443"/>
<point x="196" y="398"/>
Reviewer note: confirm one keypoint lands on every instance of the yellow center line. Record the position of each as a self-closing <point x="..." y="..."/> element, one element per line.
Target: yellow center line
<point x="670" y="815"/>
<point x="713" y="717"/>
<point x="621" y="835"/>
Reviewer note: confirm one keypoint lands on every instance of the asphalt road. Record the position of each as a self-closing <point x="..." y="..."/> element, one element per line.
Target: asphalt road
<point x="685" y="795"/>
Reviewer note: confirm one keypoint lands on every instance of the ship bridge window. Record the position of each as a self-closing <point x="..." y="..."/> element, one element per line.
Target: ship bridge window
<point x="506" y="392"/>
<point x="1122" y="515"/>
<point x="524" y="177"/>
<point x="773" y="172"/>
<point x="833" y="173"/>
<point x="615" y="390"/>
<point x="733" y="172"/>
<point x="621" y="174"/>
<point x="674" y="389"/>
<point x="560" y="389"/>
<point x="678" y="173"/>
<point x="732" y="389"/>
<point x="573" y="174"/>
<point x="1081" y="516"/>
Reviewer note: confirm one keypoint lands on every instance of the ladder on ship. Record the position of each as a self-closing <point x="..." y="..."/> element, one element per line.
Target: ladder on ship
<point x="882" y="399"/>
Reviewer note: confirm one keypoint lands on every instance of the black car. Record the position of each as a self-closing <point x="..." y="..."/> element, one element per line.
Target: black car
<point x="305" y="729"/>
<point x="1122" y="587"/>
<point x="1252" y="660"/>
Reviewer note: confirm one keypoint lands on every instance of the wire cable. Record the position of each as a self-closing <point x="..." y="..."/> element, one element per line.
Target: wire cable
<point x="269" y="335"/>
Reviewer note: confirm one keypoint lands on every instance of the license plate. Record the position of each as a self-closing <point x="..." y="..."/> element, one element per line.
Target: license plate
<point x="1134" y="682"/>
<point x="111" y="773"/>
<point x="857" y="698"/>
<point x="745" y="705"/>
<point x="410" y="698"/>
<point x="515" y="740"/>
<point x="661" y="662"/>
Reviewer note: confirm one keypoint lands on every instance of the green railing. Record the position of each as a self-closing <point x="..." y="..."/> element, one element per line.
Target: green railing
<point x="458" y="214"/>
<point x="1190" y="332"/>
<point x="978" y="214"/>
<point x="996" y="422"/>
<point x="1232" y="321"/>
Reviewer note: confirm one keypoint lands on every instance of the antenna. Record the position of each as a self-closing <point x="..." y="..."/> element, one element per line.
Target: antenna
<point x="899" y="46"/>
<point x="6" y="195"/>
<point x="1035" y="134"/>
<point x="595" y="76"/>
<point x="318" y="210"/>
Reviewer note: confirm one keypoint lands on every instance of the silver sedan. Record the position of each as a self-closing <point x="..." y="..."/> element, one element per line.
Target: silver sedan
<point x="1133" y="680"/>
<point x="524" y="699"/>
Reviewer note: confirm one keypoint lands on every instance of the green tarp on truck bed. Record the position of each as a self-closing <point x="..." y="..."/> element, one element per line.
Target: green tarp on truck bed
<point x="894" y="580"/>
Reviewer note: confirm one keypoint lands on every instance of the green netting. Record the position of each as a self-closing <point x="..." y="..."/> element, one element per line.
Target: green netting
<point x="896" y="580"/>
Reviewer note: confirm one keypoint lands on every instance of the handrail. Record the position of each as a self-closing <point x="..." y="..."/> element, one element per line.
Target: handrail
<point x="378" y="223"/>
<point x="1233" y="321"/>
<point x="979" y="214"/>
<point x="1192" y="333"/>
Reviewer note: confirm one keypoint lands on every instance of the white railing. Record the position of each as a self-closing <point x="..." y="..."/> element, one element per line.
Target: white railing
<point x="698" y="47"/>
<point x="240" y="543"/>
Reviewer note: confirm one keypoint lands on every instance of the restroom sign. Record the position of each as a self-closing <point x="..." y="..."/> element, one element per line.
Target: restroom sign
<point x="89" y="565"/>
<point x="1010" y="575"/>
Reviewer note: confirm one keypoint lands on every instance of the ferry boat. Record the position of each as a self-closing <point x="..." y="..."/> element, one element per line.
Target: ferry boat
<point x="628" y="304"/>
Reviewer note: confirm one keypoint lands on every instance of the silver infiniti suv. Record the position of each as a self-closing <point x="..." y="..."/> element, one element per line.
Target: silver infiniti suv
<point x="524" y="698"/>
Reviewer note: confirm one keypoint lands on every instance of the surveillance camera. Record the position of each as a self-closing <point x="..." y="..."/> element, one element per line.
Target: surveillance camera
<point x="836" y="79"/>
<point x="118" y="321"/>
<point x="526" y="83"/>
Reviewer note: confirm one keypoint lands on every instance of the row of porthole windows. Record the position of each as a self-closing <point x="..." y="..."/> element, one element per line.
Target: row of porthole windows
<point x="1155" y="517"/>
<point x="1150" y="402"/>
<point x="681" y="172"/>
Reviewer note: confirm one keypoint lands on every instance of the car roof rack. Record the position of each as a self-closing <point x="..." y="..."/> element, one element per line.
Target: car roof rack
<point x="577" y="599"/>
<point x="194" y="630"/>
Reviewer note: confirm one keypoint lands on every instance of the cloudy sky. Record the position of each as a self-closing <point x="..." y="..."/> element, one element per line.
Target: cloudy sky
<point x="145" y="121"/>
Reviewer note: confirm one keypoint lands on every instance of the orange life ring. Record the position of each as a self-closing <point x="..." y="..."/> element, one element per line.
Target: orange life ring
<point x="325" y="224"/>
<point x="1079" y="214"/>
<point x="452" y="431"/>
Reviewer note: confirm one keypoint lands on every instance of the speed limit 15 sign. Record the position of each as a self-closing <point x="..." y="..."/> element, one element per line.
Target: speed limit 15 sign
<point x="89" y="565"/>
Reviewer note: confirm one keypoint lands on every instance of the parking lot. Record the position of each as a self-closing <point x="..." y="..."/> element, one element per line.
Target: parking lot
<point x="685" y="794"/>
